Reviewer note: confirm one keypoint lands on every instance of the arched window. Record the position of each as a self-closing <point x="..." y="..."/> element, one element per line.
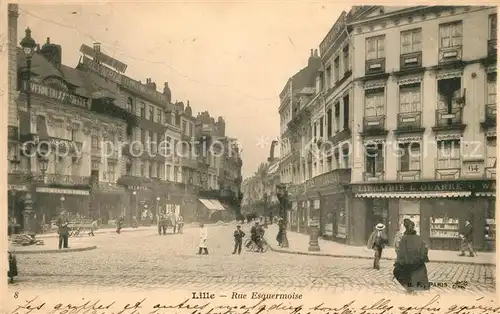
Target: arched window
<point x="130" y="104"/>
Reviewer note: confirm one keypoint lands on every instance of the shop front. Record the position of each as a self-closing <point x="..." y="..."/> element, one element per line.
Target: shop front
<point x="108" y="202"/>
<point x="15" y="203"/>
<point x="439" y="210"/>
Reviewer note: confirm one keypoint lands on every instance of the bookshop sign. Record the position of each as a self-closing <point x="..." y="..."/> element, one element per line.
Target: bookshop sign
<point x="428" y="186"/>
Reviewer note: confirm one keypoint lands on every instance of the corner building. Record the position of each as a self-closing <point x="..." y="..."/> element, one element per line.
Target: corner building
<point x="425" y="118"/>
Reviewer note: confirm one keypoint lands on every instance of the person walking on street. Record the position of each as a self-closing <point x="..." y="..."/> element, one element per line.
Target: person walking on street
<point x="63" y="230"/>
<point x="412" y="255"/>
<point x="377" y="242"/>
<point x="238" y="239"/>
<point x="119" y="224"/>
<point x="93" y="227"/>
<point x="202" y="248"/>
<point x="180" y="222"/>
<point x="467" y="239"/>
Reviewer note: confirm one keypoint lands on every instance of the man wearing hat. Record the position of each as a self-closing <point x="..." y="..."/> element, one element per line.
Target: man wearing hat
<point x="63" y="229"/>
<point x="238" y="239"/>
<point x="377" y="242"/>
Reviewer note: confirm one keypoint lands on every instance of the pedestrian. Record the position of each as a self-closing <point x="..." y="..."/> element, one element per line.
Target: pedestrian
<point x="162" y="224"/>
<point x="119" y="224"/>
<point x="93" y="227"/>
<point x="279" y="236"/>
<point x="180" y="222"/>
<point x="467" y="239"/>
<point x="238" y="239"/>
<point x="409" y="269"/>
<point x="397" y="238"/>
<point x="377" y="242"/>
<point x="202" y="248"/>
<point x="63" y="230"/>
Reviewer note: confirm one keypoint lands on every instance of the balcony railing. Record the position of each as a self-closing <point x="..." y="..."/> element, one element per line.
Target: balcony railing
<point x="410" y="60"/>
<point x="409" y="120"/>
<point x="66" y="179"/>
<point x="449" y="120"/>
<point x="492" y="48"/>
<point x="410" y="175"/>
<point x="448" y="54"/>
<point x="375" y="124"/>
<point x="375" y="66"/>
<point x="373" y="176"/>
<point x="448" y="168"/>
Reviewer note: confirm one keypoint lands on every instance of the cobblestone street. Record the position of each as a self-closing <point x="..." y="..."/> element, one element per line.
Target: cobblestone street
<point x="146" y="260"/>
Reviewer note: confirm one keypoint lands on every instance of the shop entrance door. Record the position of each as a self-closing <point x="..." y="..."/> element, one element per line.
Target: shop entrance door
<point x="409" y="209"/>
<point x="378" y="213"/>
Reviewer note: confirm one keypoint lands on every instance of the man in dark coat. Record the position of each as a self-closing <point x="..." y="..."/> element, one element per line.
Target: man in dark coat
<point x="238" y="239"/>
<point x="467" y="239"/>
<point x="410" y="270"/>
<point x="63" y="230"/>
<point x="119" y="224"/>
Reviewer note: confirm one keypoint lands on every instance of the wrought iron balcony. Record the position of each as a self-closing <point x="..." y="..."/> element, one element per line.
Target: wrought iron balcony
<point x="375" y="66"/>
<point x="374" y="125"/>
<point x="448" y="168"/>
<point x="450" y="54"/>
<point x="490" y="116"/>
<point x="373" y="176"/>
<point x="410" y="175"/>
<point x="492" y="48"/>
<point x="410" y="60"/>
<point x="410" y="122"/>
<point x="449" y="120"/>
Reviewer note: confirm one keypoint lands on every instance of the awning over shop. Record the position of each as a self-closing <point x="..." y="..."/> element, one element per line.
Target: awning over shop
<point x="212" y="204"/>
<point x="488" y="194"/>
<point x="415" y="194"/>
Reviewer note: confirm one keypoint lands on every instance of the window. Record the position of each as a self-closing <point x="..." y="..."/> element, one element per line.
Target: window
<point x="375" y="48"/>
<point x="176" y="172"/>
<point x="167" y="118"/>
<point x="491" y="152"/>
<point x="184" y="126"/>
<point x="94" y="142"/>
<point x="409" y="98"/>
<point x="321" y="122"/>
<point x="409" y="156"/>
<point x="191" y="129"/>
<point x="411" y="41"/>
<point x="158" y="171"/>
<point x="158" y="114"/>
<point x="346" y="60"/>
<point x="336" y="68"/>
<point x="143" y="110"/>
<point x="491" y="98"/>
<point x="346" y="112"/>
<point x="374" y="103"/>
<point x="448" y="153"/>
<point x="151" y="113"/>
<point x="337" y="117"/>
<point x="328" y="77"/>
<point x="94" y="164"/>
<point x="152" y="142"/>
<point x="74" y="131"/>
<point x="175" y="148"/>
<point x="130" y="104"/>
<point x="450" y="35"/>
<point x="374" y="159"/>
<point x="449" y="91"/>
<point x="168" y="146"/>
<point x="111" y="172"/>
<point x="345" y="158"/>
<point x="169" y="169"/>
<point x="329" y="122"/>
<point x="151" y="170"/>
<point x="321" y="81"/>
<point x="493" y="26"/>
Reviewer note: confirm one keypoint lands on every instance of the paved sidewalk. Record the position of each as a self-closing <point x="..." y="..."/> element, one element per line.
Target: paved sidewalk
<point x="299" y="243"/>
<point x="51" y="246"/>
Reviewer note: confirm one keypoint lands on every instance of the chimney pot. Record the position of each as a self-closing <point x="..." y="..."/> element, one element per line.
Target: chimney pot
<point x="48" y="40"/>
<point x="311" y="52"/>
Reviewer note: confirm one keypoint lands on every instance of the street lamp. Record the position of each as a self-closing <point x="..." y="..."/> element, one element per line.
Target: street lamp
<point x="136" y="209"/>
<point x="282" y="195"/>
<point x="62" y="203"/>
<point x="28" y="44"/>
<point x="157" y="207"/>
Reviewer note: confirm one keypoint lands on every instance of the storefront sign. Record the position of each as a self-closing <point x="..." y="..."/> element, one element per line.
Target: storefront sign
<point x="61" y="191"/>
<point x="437" y="186"/>
<point x="104" y="58"/>
<point x="103" y="71"/>
<point x="58" y="95"/>
<point x="17" y="187"/>
<point x="56" y="83"/>
<point x="137" y="188"/>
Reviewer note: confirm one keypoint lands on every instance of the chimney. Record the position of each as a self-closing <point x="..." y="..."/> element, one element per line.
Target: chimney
<point x="167" y="92"/>
<point x="52" y="52"/>
<point x="311" y="53"/>
<point x="316" y="55"/>
<point x="97" y="47"/>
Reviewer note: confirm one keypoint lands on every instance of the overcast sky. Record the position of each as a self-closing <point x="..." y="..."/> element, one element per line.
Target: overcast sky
<point x="231" y="59"/>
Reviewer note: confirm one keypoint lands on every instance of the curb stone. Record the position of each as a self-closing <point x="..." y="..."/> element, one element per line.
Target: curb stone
<point x="69" y="250"/>
<point x="366" y="257"/>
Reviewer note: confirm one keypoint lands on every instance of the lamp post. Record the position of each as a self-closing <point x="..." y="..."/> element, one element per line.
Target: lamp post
<point x="313" y="228"/>
<point x="28" y="44"/>
<point x="62" y="199"/>
<point x="282" y="194"/>
<point x="134" y="193"/>
<point x="157" y="208"/>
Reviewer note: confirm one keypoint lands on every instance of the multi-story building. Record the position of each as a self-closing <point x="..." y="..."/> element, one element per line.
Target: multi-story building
<point x="60" y="113"/>
<point x="426" y="115"/>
